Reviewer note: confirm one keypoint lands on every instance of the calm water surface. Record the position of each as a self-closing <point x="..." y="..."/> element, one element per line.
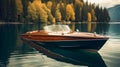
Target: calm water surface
<point x="15" y="53"/>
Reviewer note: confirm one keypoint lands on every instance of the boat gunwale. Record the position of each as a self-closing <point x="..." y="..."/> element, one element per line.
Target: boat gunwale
<point x="86" y="39"/>
<point x="64" y="40"/>
<point x="95" y="37"/>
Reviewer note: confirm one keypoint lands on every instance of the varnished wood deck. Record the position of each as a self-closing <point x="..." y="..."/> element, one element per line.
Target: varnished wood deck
<point x="45" y="36"/>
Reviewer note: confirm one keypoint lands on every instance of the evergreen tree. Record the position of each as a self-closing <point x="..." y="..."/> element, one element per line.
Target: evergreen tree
<point x="3" y="9"/>
<point x="25" y="6"/>
<point x="11" y="11"/>
<point x="78" y="10"/>
<point x="84" y="13"/>
<point x="97" y="13"/>
<point x="53" y="9"/>
<point x="106" y="15"/>
<point x="63" y="10"/>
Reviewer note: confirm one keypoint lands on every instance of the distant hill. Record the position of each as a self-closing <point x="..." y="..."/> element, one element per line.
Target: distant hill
<point x="114" y="13"/>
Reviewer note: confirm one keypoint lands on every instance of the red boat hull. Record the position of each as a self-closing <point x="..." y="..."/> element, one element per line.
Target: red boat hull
<point x="67" y="41"/>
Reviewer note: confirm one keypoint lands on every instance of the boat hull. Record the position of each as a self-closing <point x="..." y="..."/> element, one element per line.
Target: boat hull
<point x="81" y="44"/>
<point x="64" y="41"/>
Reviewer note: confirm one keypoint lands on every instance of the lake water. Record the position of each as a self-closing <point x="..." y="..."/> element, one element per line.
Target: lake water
<point x="15" y="53"/>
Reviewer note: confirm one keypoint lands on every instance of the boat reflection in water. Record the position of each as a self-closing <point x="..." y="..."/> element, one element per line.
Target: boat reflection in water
<point x="74" y="56"/>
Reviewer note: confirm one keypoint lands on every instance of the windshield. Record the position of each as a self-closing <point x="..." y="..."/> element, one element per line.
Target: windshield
<point x="57" y="28"/>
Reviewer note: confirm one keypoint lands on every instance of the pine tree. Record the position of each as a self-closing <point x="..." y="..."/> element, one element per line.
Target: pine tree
<point x="84" y="13"/>
<point x="78" y="10"/>
<point x="63" y="10"/>
<point x="3" y="9"/>
<point x="106" y="15"/>
<point x="25" y="6"/>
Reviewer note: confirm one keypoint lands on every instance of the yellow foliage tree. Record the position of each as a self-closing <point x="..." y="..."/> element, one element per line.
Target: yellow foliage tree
<point x="78" y="2"/>
<point x="37" y="11"/>
<point x="58" y="6"/>
<point x="53" y="21"/>
<point x="58" y="15"/>
<point x="93" y="15"/>
<point x="49" y="4"/>
<point x="32" y="11"/>
<point x="70" y="14"/>
<point x="19" y="7"/>
<point x="50" y="16"/>
<point x="89" y="17"/>
<point x="37" y="3"/>
<point x="89" y="21"/>
<point x="45" y="8"/>
<point x="42" y="15"/>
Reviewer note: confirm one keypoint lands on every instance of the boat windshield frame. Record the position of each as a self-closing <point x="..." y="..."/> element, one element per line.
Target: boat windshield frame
<point x="57" y="28"/>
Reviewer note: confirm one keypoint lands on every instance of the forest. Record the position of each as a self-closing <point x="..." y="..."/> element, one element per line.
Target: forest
<point x="51" y="11"/>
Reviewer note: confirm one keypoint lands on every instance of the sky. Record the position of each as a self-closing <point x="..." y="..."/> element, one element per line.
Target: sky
<point x="105" y="3"/>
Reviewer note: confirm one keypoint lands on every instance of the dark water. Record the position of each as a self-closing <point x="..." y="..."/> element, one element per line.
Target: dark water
<point x="15" y="53"/>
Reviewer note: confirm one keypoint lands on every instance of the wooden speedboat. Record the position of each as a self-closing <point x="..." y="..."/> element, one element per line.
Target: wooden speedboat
<point x="61" y="36"/>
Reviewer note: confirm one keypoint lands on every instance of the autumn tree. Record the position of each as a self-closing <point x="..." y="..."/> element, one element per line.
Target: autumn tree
<point x="50" y="16"/>
<point x="58" y="15"/>
<point x="36" y="12"/>
<point x="49" y="4"/>
<point x="19" y="9"/>
<point x="89" y="17"/>
<point x="70" y="14"/>
<point x="89" y="21"/>
<point x="91" y="9"/>
<point x="42" y="15"/>
<point x="93" y="15"/>
<point x="32" y="12"/>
